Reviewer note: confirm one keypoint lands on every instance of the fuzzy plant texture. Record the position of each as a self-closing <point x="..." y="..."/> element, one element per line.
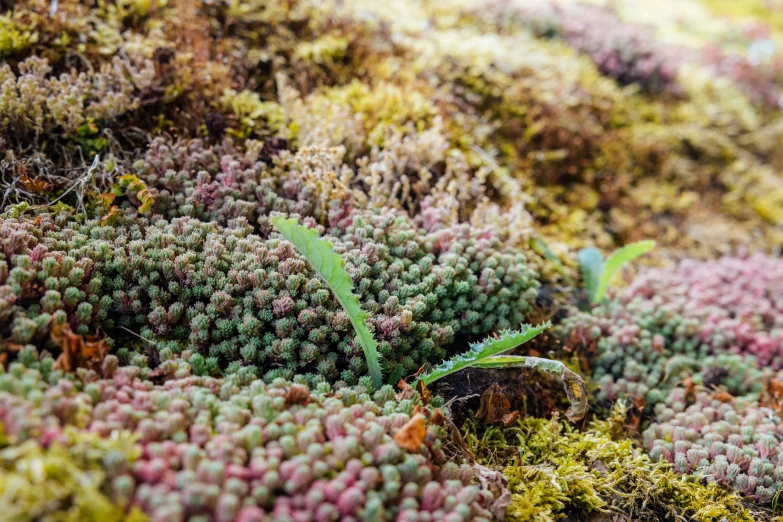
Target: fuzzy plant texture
<point x="732" y="443"/>
<point x="457" y="155"/>
<point x="198" y="448"/>
<point x="697" y="350"/>
<point x="719" y="323"/>
<point x="555" y="470"/>
<point x="230" y="299"/>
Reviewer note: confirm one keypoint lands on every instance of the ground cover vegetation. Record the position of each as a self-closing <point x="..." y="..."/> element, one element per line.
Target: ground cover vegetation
<point x="305" y="260"/>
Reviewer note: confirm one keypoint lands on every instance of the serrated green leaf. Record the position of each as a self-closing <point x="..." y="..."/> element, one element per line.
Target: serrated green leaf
<point x="572" y="383"/>
<point x="591" y="265"/>
<point x="618" y="259"/>
<point x="480" y="351"/>
<point x="329" y="266"/>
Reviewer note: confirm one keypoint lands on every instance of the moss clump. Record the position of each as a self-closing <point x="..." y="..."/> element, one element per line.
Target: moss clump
<point x="555" y="471"/>
<point x="64" y="481"/>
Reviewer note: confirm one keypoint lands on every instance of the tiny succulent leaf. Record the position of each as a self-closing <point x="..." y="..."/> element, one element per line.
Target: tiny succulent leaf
<point x="480" y="351"/>
<point x="617" y="260"/>
<point x="329" y="265"/>
<point x="572" y="383"/>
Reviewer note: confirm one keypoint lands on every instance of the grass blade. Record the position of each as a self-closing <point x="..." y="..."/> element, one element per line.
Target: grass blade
<point x="618" y="259"/>
<point x="329" y="266"/>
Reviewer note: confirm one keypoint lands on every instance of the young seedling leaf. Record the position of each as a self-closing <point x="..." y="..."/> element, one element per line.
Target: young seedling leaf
<point x="480" y="351"/>
<point x="572" y="383"/>
<point x="329" y="265"/>
<point x="541" y="246"/>
<point x="591" y="265"/>
<point x="617" y="260"/>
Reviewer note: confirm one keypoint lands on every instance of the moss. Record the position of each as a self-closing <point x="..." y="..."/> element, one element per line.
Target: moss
<point x="555" y="471"/>
<point x="64" y="482"/>
<point x="13" y="37"/>
<point x="253" y="117"/>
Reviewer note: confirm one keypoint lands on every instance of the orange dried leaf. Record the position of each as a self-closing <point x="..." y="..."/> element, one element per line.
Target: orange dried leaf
<point x="412" y="434"/>
<point x="36" y="185"/>
<point x="76" y="351"/>
<point x="424" y="392"/>
<point x="510" y="418"/>
<point x="107" y="199"/>
<point x="723" y="396"/>
<point x="690" y="388"/>
<point x="406" y="391"/>
<point x="109" y="218"/>
<point x="438" y="418"/>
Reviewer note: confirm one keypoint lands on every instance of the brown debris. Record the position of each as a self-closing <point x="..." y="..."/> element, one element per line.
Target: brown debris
<point x="297" y="394"/>
<point x="412" y="434"/>
<point x="424" y="392"/>
<point x="690" y="389"/>
<point x="497" y="484"/>
<point x="772" y="395"/>
<point x="495" y="407"/>
<point x="36" y="185"/>
<point x="406" y="391"/>
<point x="723" y="396"/>
<point x="77" y="352"/>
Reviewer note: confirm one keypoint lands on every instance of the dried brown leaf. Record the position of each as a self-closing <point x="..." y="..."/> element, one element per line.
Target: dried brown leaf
<point x="36" y="185"/>
<point x="412" y="434"/>
<point x="77" y="352"/>
<point x="406" y="391"/>
<point x="723" y="396"/>
<point x="424" y="392"/>
<point x="438" y="418"/>
<point x="510" y="418"/>
<point x="494" y="482"/>
<point x="494" y="405"/>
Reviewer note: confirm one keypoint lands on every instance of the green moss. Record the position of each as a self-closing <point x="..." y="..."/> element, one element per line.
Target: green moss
<point x="555" y="470"/>
<point x="62" y="483"/>
<point x="252" y="115"/>
<point x="13" y="37"/>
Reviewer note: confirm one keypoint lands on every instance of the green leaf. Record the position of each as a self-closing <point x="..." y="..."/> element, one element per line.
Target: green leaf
<point x="478" y="352"/>
<point x="591" y="265"/>
<point x="572" y="383"/>
<point x="329" y="265"/>
<point x="617" y="260"/>
<point x="542" y="248"/>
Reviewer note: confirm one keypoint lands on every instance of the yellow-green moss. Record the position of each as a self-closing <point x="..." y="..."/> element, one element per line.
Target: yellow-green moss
<point x="64" y="483"/>
<point x="555" y="470"/>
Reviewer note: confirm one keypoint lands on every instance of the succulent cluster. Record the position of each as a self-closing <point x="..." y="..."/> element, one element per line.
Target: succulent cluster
<point x="717" y="323"/>
<point x="197" y="448"/>
<point x="227" y="298"/>
<point x="555" y="469"/>
<point x="165" y="353"/>
<point x="736" y="445"/>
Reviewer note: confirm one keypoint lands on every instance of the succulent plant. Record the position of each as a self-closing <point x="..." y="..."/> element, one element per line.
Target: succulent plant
<point x="734" y="444"/>
<point x="236" y="299"/>
<point x="228" y="449"/>
<point x="717" y="323"/>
